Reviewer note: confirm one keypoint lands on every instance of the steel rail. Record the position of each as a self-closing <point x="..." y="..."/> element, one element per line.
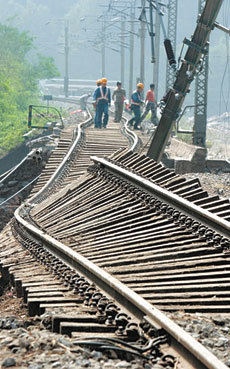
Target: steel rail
<point x="8" y="173"/>
<point x="129" y="133"/>
<point x="142" y="309"/>
<point x="59" y="170"/>
<point x="213" y="221"/>
<point x="181" y="340"/>
<point x="80" y="126"/>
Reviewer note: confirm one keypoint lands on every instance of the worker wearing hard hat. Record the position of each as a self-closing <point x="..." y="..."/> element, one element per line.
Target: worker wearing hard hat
<point x="98" y="83"/>
<point x="119" y="98"/>
<point x="150" y="104"/>
<point x="136" y="103"/>
<point x="103" y="100"/>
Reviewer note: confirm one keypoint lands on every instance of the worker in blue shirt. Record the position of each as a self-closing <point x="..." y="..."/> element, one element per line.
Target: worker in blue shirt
<point x="103" y="100"/>
<point x="136" y="103"/>
<point x="98" y="82"/>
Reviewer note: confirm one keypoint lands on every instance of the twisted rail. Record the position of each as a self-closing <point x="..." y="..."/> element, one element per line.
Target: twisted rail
<point x="190" y="349"/>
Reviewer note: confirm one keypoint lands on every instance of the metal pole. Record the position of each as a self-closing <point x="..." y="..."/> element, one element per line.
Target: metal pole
<point x="157" y="55"/>
<point x="142" y="47"/>
<point x="103" y="49"/>
<point x="201" y="98"/>
<point x="185" y="75"/>
<point x="122" y="51"/>
<point x="131" y="40"/>
<point x="151" y="32"/>
<point x="66" y="79"/>
<point x="161" y="19"/>
<point x="172" y="33"/>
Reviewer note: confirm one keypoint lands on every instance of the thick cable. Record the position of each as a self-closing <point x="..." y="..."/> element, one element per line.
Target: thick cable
<point x="11" y="197"/>
<point x="13" y="169"/>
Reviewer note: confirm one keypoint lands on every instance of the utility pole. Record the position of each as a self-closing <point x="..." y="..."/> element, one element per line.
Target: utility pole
<point x="157" y="55"/>
<point x="185" y="75"/>
<point x="103" y="48"/>
<point x="66" y="78"/>
<point x="122" y="50"/>
<point x="201" y="97"/>
<point x="142" y="46"/>
<point x="131" y="55"/>
<point x="172" y="33"/>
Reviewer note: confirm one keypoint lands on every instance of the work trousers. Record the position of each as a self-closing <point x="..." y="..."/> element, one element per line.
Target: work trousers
<point x="102" y="111"/>
<point x="118" y="111"/>
<point x="95" y="119"/>
<point x="137" y="116"/>
<point x="150" y="106"/>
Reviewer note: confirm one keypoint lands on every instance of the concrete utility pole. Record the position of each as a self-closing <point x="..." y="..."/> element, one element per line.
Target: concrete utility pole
<point x="66" y="78"/>
<point x="103" y="48"/>
<point x="172" y="33"/>
<point x="142" y="47"/>
<point x="201" y="98"/>
<point x="157" y="55"/>
<point x="131" y="55"/>
<point x="123" y="50"/>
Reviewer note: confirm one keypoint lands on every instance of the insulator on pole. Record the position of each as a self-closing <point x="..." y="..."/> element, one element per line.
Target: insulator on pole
<point x="169" y="52"/>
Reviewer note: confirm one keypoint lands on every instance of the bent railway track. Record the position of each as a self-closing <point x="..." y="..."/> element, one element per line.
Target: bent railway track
<point x="115" y="245"/>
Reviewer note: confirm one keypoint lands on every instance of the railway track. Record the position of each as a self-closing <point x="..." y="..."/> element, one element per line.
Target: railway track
<point x="128" y="251"/>
<point x="172" y="258"/>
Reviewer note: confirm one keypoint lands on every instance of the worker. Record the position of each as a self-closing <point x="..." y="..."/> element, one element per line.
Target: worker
<point x="103" y="101"/>
<point x="136" y="103"/>
<point x="83" y="101"/>
<point x="98" y="82"/>
<point x="150" y="104"/>
<point x="119" y="98"/>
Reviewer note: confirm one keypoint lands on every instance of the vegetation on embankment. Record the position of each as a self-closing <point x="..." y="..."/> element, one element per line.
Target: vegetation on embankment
<point x="20" y="71"/>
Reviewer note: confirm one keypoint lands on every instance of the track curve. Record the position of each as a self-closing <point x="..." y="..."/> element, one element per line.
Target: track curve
<point x="112" y="212"/>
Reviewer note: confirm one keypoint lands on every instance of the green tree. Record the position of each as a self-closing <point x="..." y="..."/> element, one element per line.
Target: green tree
<point x="20" y="72"/>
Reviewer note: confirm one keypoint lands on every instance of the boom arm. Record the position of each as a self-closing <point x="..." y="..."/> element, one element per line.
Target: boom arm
<point x="185" y="75"/>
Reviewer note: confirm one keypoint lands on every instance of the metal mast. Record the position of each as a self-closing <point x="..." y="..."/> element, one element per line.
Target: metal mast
<point x="172" y="31"/>
<point x="131" y="48"/>
<point x="201" y="97"/>
<point x="157" y="52"/>
<point x="123" y="50"/>
<point x="103" y="47"/>
<point x="66" y="78"/>
<point x="142" y="47"/>
<point x="185" y="75"/>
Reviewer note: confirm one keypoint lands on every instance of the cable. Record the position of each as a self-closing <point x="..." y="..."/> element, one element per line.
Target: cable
<point x="13" y="169"/>
<point x="20" y="191"/>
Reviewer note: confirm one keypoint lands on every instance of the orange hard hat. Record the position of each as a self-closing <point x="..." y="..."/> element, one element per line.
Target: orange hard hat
<point x="104" y="80"/>
<point x="98" y="81"/>
<point x="140" y="85"/>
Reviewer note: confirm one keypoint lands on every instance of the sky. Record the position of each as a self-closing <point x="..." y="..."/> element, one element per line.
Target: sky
<point x="46" y="20"/>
